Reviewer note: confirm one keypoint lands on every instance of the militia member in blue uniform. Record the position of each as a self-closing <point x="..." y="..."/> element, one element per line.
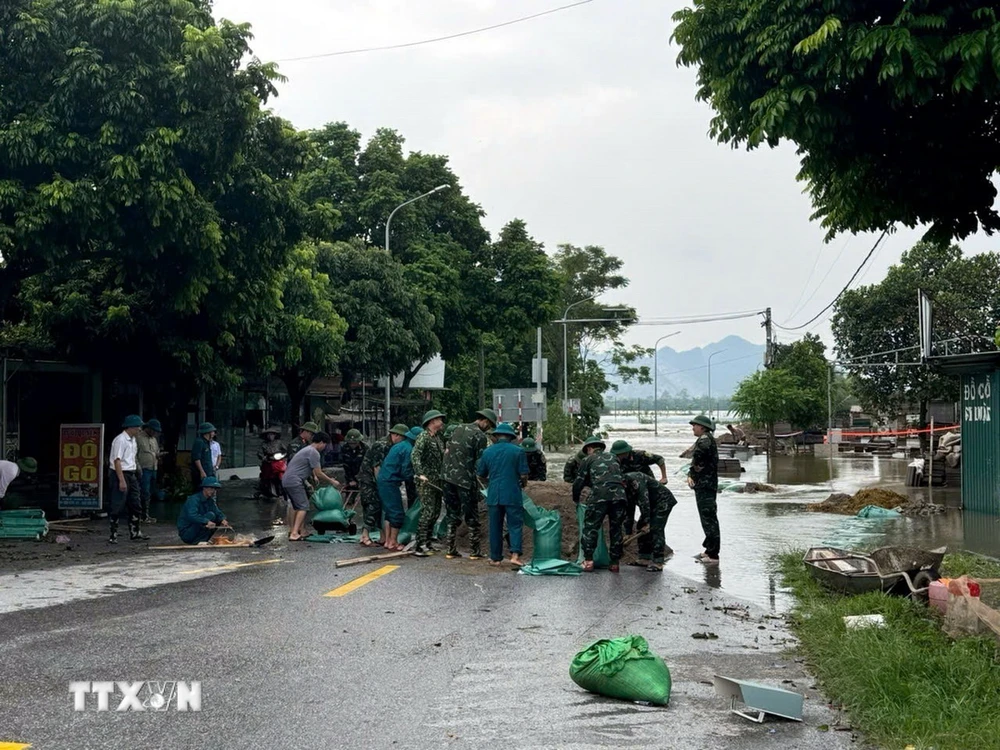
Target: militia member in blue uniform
<point x="200" y="517"/>
<point x="505" y="465"/>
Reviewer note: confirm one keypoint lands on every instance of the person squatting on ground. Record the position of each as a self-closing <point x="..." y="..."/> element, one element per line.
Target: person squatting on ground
<point x="428" y="456"/>
<point x="703" y="478"/>
<point x="505" y="466"/>
<point x="147" y="443"/>
<point x="202" y="464"/>
<point x="601" y="472"/>
<point x="371" y="503"/>
<point x="200" y="517"/>
<point x="655" y="502"/>
<point x="461" y="489"/>
<point x="636" y="460"/>
<point x="125" y="493"/>
<point x="395" y="471"/>
<point x="538" y="470"/>
<point x="304" y="465"/>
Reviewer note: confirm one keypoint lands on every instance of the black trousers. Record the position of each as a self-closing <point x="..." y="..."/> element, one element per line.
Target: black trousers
<point x="127" y="504"/>
<point x="708" y="512"/>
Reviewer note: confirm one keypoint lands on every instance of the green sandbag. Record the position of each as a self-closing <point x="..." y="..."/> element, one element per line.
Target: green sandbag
<point x="874" y="511"/>
<point x="22" y="513"/>
<point x="410" y="525"/>
<point x="547" y="531"/>
<point x="551" y="568"/>
<point x="602" y="558"/>
<point x="622" y="668"/>
<point x="441" y="529"/>
<point x="328" y="498"/>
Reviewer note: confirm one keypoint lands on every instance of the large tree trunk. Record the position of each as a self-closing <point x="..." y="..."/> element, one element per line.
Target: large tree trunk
<point x="297" y="386"/>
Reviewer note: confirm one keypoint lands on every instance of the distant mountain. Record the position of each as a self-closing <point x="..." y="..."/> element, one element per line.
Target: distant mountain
<point x="688" y="370"/>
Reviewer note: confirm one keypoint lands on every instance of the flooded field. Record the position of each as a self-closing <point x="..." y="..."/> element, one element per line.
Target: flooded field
<point x="756" y="527"/>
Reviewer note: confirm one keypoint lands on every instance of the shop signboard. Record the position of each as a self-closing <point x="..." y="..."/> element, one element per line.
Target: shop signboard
<point x="81" y="464"/>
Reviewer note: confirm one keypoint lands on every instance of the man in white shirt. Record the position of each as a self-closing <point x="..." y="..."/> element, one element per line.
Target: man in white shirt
<point x="9" y="471"/>
<point x="125" y="493"/>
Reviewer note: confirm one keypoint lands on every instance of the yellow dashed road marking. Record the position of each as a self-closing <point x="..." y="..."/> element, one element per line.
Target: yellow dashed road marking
<point x="230" y="566"/>
<point x="357" y="583"/>
<point x="13" y="746"/>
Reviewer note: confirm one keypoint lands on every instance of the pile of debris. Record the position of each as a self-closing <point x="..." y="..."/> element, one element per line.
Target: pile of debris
<point x="849" y="505"/>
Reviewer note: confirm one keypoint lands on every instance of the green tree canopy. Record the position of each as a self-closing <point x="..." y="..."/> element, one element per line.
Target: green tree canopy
<point x="883" y="317"/>
<point x="768" y="397"/>
<point x="805" y="360"/>
<point x="893" y="106"/>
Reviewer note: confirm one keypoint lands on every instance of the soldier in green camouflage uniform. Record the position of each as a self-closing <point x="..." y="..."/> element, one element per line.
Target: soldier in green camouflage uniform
<point x="352" y="454"/>
<point x="461" y="491"/>
<point x="370" y="500"/>
<point x="637" y="460"/>
<point x="602" y="473"/>
<point x="572" y="467"/>
<point x="427" y="458"/>
<point x="655" y="502"/>
<point x="703" y="478"/>
<point x="304" y="438"/>
<point x="538" y="470"/>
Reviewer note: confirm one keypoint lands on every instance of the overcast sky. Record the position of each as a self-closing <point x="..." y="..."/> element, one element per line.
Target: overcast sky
<point x="580" y="123"/>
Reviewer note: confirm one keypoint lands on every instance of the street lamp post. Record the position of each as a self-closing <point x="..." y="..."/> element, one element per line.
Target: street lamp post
<point x="388" y="223"/>
<point x="710" y="380"/>
<point x="656" y="387"/>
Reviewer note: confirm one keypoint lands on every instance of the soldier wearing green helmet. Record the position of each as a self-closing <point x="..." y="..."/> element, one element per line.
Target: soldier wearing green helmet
<point x="601" y="472"/>
<point x="703" y="478"/>
<point x="538" y="470"/>
<point x="352" y="454"/>
<point x="428" y="456"/>
<point x="461" y="492"/>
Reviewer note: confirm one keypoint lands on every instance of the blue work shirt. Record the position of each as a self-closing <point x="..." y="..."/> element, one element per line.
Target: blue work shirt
<point x="197" y="511"/>
<point x="397" y="466"/>
<point x="202" y="451"/>
<point x="504" y="464"/>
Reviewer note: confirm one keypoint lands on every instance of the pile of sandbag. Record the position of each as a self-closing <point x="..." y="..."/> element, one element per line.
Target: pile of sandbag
<point x="949" y="449"/>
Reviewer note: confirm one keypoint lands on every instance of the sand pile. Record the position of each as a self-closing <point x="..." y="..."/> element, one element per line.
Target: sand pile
<point x="849" y="505"/>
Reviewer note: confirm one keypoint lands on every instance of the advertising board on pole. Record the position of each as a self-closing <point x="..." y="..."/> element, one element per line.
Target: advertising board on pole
<point x="81" y="464"/>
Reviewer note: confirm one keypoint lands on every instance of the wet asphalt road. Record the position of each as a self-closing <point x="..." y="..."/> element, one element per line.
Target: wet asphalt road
<point x="433" y="654"/>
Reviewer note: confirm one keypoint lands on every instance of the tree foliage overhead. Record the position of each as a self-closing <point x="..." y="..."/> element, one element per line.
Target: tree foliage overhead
<point x="883" y="318"/>
<point x="805" y="360"/>
<point x="893" y="106"/>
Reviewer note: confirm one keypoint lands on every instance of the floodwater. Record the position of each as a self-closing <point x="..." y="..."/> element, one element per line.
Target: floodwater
<point x="757" y="527"/>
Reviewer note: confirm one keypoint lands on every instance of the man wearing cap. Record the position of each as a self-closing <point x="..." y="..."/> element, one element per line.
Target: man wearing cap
<point x="9" y="471"/>
<point x="505" y="465"/>
<point x="461" y="492"/>
<point x="202" y="464"/>
<point x="428" y="455"/>
<point x="368" y="481"/>
<point x="305" y="465"/>
<point x="200" y="516"/>
<point x="655" y="502"/>
<point x="395" y="470"/>
<point x="538" y="470"/>
<point x="125" y="493"/>
<point x="352" y="454"/>
<point x="602" y="473"/>
<point x="304" y="438"/>
<point x="147" y="444"/>
<point x="703" y="478"/>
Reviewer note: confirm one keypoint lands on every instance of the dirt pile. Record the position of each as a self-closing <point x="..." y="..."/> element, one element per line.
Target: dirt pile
<point x="849" y="505"/>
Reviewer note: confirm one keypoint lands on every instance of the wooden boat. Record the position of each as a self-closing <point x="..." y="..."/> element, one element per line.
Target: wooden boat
<point x="907" y="570"/>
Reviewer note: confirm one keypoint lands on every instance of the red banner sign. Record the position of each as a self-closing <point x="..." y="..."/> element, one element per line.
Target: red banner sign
<point x="81" y="464"/>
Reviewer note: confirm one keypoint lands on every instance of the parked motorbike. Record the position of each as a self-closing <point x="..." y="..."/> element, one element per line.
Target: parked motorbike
<point x="272" y="470"/>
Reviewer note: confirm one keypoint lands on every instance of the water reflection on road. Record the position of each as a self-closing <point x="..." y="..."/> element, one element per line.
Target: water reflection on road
<point x="757" y="527"/>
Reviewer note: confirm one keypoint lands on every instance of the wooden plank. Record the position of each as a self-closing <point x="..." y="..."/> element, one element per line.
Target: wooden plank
<point x="375" y="558"/>
<point x="204" y="546"/>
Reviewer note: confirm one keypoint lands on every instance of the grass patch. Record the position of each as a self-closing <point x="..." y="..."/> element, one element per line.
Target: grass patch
<point x="907" y="683"/>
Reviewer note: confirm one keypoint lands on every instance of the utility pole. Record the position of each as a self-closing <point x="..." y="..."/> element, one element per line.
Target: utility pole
<point x="769" y="346"/>
<point x="540" y="399"/>
<point x="482" y="375"/>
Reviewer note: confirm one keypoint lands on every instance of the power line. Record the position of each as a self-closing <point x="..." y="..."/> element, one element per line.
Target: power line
<point x="846" y="287"/>
<point x="797" y="308"/>
<point x="404" y="45"/>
